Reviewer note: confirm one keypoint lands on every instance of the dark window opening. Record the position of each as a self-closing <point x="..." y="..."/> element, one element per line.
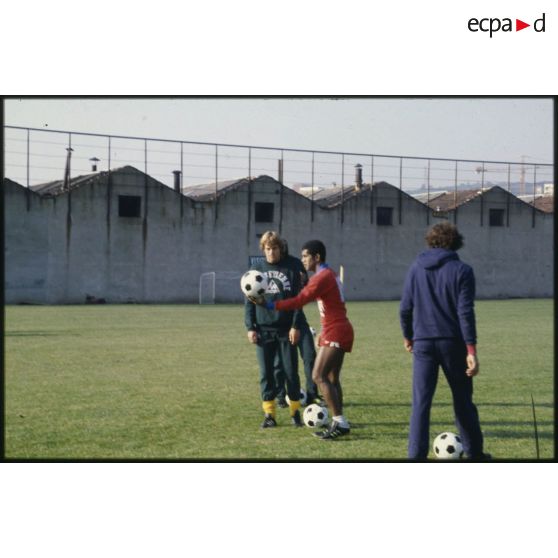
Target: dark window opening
<point x="384" y="216"/>
<point x="264" y="212"/>
<point x="496" y="217"/>
<point x="129" y="206"/>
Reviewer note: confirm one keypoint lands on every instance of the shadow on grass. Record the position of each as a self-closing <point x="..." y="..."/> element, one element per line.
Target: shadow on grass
<point x="38" y="333"/>
<point x="504" y="429"/>
<point x="446" y="404"/>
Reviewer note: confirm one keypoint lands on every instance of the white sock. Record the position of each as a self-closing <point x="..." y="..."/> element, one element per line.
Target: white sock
<point x="341" y="421"/>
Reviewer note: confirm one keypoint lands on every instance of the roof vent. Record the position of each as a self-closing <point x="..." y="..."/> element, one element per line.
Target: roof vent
<point x="358" y="177"/>
<point x="177" y="174"/>
<point x="94" y="162"/>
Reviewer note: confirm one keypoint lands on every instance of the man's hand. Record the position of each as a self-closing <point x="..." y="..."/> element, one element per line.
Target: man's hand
<point x="260" y="300"/>
<point x="294" y="336"/>
<point x="472" y="365"/>
<point x="252" y="337"/>
<point x="408" y="344"/>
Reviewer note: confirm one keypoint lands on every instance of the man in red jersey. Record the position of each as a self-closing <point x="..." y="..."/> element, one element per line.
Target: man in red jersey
<point x="336" y="337"/>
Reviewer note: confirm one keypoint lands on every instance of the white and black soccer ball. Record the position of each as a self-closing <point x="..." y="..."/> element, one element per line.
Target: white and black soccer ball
<point x="447" y="445"/>
<point x="254" y="283"/>
<point x="315" y="416"/>
<point x="303" y="398"/>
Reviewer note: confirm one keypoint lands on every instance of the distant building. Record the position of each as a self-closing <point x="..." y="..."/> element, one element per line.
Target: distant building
<point x="122" y="236"/>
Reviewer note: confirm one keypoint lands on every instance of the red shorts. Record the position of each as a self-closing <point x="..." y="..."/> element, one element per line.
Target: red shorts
<point x="339" y="336"/>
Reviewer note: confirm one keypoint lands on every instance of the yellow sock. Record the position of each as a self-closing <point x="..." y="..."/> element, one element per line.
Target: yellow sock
<point x="269" y="407"/>
<point x="294" y="406"/>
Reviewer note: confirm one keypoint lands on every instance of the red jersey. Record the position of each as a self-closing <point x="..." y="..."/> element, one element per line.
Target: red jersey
<point x="325" y="287"/>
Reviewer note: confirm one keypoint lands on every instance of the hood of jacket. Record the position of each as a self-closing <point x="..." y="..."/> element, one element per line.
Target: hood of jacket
<point x="436" y="257"/>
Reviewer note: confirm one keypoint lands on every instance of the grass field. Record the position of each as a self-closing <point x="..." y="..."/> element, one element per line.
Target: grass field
<point x="181" y="382"/>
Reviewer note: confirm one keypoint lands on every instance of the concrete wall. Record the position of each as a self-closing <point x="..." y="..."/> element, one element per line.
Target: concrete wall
<point x="61" y="249"/>
<point x="509" y="261"/>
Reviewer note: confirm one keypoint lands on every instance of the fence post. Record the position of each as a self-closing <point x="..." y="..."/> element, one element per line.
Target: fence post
<point x="534" y="192"/>
<point x="342" y="188"/>
<point x="428" y="194"/>
<point x="216" y="180"/>
<point x="508" y="198"/>
<point x="312" y="205"/>
<point x="400" y="188"/>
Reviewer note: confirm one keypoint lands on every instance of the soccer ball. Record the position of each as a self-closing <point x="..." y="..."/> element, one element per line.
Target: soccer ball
<point x="254" y="283"/>
<point x="303" y="399"/>
<point x="447" y="445"/>
<point x="315" y="416"/>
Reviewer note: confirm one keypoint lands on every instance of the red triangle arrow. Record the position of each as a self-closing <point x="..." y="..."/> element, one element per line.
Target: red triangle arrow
<point x="519" y="25"/>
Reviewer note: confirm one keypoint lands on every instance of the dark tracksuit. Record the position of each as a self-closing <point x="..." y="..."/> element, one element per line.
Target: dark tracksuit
<point x="306" y="347"/>
<point x="273" y="328"/>
<point x="437" y="314"/>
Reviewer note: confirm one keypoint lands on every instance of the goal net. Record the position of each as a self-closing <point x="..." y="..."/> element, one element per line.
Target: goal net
<point x="220" y="286"/>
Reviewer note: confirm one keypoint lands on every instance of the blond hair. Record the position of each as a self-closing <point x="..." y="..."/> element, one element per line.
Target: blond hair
<point x="271" y="238"/>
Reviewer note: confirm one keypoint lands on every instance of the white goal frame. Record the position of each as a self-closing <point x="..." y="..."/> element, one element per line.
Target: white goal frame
<point x="211" y="276"/>
<point x="220" y="286"/>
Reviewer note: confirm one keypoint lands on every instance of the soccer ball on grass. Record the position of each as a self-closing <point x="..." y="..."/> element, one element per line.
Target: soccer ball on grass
<point x="447" y="445"/>
<point x="315" y="416"/>
<point x="254" y="283"/>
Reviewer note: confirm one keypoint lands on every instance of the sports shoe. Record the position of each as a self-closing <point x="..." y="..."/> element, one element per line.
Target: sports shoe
<point x="269" y="422"/>
<point x="297" y="421"/>
<point x="334" y="431"/>
<point x="281" y="402"/>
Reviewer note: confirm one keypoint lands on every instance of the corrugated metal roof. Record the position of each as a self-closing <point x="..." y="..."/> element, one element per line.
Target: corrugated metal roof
<point x="450" y="200"/>
<point x="206" y="192"/>
<point x="336" y="195"/>
<point x="544" y="203"/>
<point x="56" y="187"/>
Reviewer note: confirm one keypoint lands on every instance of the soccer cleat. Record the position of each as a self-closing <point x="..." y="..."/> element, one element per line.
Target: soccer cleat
<point x="296" y="418"/>
<point x="324" y="431"/>
<point x="281" y="402"/>
<point x="334" y="431"/>
<point x="269" y="422"/>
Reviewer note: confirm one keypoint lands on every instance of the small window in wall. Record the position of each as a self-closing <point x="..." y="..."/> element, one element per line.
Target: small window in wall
<point x="129" y="206"/>
<point x="496" y="217"/>
<point x="264" y="212"/>
<point x="384" y="216"/>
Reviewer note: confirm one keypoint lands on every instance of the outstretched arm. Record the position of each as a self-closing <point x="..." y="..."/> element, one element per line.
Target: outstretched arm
<point x="308" y="294"/>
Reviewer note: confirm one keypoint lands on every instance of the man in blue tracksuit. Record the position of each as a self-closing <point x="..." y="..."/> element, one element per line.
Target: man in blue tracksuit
<point x="438" y="323"/>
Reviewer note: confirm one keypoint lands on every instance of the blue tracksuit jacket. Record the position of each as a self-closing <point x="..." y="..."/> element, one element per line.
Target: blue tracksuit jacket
<point x="438" y="298"/>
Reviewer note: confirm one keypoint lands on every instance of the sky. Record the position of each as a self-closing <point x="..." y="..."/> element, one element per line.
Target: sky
<point x="500" y="129"/>
<point x="479" y="129"/>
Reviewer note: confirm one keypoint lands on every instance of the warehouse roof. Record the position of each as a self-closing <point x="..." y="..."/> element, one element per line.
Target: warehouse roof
<point x="57" y="187"/>
<point x="206" y="192"/>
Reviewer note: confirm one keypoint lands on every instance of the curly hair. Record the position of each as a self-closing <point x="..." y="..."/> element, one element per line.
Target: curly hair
<point x="444" y="235"/>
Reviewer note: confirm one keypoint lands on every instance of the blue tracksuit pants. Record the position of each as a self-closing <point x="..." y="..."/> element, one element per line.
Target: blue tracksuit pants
<point x="428" y="356"/>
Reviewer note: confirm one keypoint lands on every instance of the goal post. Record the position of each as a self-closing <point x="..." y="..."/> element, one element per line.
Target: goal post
<point x="207" y="288"/>
<point x="220" y="286"/>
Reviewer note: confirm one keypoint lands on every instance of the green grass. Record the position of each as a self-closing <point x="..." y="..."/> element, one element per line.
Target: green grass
<point x="181" y="382"/>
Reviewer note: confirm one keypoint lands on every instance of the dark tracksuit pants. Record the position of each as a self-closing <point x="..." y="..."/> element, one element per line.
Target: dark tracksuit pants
<point x="308" y="354"/>
<point x="450" y="354"/>
<point x="272" y="344"/>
